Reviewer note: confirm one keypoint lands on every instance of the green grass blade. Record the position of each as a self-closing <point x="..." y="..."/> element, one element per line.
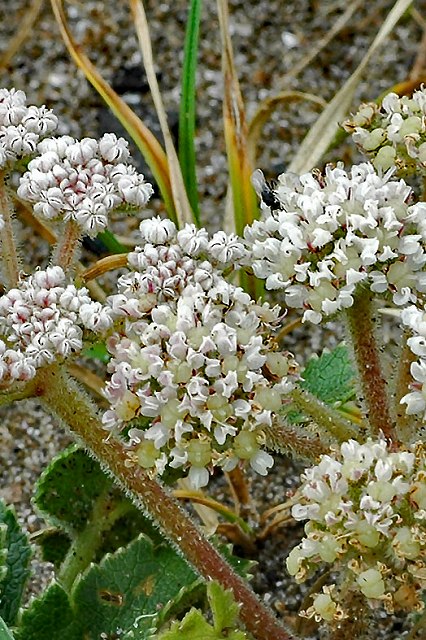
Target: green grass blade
<point x="181" y="203"/>
<point x="187" y="107"/>
<point x="111" y="243"/>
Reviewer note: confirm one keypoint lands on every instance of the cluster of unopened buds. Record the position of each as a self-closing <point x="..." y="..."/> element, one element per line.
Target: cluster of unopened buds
<point x="195" y="355"/>
<point x="83" y="181"/>
<point x="328" y="234"/>
<point x="21" y="126"/>
<point x="393" y="134"/>
<point x="41" y="320"/>
<point x="366" y="511"/>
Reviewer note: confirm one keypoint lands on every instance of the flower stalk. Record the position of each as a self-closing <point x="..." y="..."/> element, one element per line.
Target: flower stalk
<point x="361" y="326"/>
<point x="11" y="262"/>
<point x="65" y="251"/>
<point x="62" y="396"/>
<point x="325" y="417"/>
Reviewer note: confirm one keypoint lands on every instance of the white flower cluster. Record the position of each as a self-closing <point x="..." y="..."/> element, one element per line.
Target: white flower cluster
<point x="335" y="232"/>
<point x="194" y="356"/>
<point x="394" y="134"/>
<point x="366" y="512"/>
<point x="168" y="260"/>
<point x="83" y="181"/>
<point x="414" y="319"/>
<point x="41" y="321"/>
<point x="21" y="126"/>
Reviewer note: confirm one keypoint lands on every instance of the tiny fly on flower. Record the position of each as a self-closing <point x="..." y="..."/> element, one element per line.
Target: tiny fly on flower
<point x="264" y="190"/>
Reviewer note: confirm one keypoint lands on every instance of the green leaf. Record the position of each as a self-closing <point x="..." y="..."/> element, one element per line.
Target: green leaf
<point x="223" y="606"/>
<point x="54" y="545"/>
<point x="131" y="589"/>
<point x="331" y="377"/>
<point x="67" y="489"/>
<point x="187" y="107"/>
<point x="50" y="616"/>
<point x="242" y="566"/>
<point x="134" y="589"/>
<point x="16" y="553"/>
<point x="195" y="627"/>
<point x="5" y="632"/>
<point x="192" y="627"/>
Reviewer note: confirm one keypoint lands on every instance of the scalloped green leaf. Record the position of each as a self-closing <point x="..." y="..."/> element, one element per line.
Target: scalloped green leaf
<point x="132" y="589"/>
<point x="50" y="616"/>
<point x="5" y="632"/>
<point x="223" y="606"/>
<point x="195" y="627"/>
<point x="331" y="377"/>
<point x="15" y="556"/>
<point x="67" y="489"/>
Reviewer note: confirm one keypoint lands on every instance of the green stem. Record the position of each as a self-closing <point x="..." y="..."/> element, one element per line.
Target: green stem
<point x="87" y="542"/>
<point x="404" y="422"/>
<point x="63" y="397"/>
<point x="11" y="261"/>
<point x="21" y="391"/>
<point x="324" y="416"/>
<point x="361" y="326"/>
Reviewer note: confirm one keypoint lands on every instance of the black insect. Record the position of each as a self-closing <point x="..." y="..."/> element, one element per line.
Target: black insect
<point x="265" y="190"/>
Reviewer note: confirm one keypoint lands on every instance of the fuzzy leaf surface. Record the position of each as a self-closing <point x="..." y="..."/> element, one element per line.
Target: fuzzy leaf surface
<point x="67" y="489"/>
<point x="15" y="553"/>
<point x="131" y="589"/>
<point x="51" y="617"/>
<point x="331" y="377"/>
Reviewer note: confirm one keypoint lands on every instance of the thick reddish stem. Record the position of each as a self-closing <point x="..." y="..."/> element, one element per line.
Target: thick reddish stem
<point x="362" y="330"/>
<point x="65" y="399"/>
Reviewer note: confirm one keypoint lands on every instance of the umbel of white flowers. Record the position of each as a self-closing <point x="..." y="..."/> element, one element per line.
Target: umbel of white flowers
<point x="365" y="507"/>
<point x="193" y="355"/>
<point x="41" y="320"/>
<point x="335" y="231"/>
<point x="21" y="126"/>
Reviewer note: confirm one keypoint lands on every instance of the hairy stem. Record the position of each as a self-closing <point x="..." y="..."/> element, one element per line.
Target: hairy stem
<point x="20" y="391"/>
<point x="63" y="397"/>
<point x="325" y="416"/>
<point x="11" y="261"/>
<point x="291" y="439"/>
<point x="361" y="326"/>
<point x="106" y="511"/>
<point x="65" y="251"/>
